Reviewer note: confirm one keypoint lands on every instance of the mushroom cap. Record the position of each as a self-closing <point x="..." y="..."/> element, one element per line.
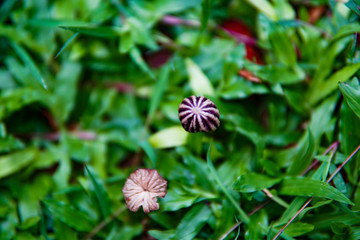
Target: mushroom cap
<point x="198" y="114"/>
<point x="142" y="188"/>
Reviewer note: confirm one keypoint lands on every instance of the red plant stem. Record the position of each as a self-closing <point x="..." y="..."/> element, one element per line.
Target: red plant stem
<point x="104" y="223"/>
<point x="307" y="203"/>
<point x="293" y="218"/>
<point x="343" y="164"/>
<point x="55" y="136"/>
<point x="241" y="37"/>
<point x="334" y="145"/>
<point x="238" y="224"/>
<point x="172" y="20"/>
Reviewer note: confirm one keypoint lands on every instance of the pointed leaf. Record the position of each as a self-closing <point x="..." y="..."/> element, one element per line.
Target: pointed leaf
<point x="300" y="186"/>
<point x="25" y="57"/>
<point x="69" y="215"/>
<point x="192" y="222"/>
<point x="199" y="83"/>
<point x="169" y="137"/>
<point x="252" y="182"/>
<point x="303" y="157"/>
<point x="67" y="44"/>
<point x="139" y="61"/>
<point x="96" y="31"/>
<point x="352" y="97"/>
<point x="13" y="162"/>
<point x="100" y="192"/>
<point x="158" y="91"/>
<point x="324" y="88"/>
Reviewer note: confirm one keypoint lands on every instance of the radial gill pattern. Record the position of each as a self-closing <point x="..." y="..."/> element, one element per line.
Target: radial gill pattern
<point x="198" y="114"/>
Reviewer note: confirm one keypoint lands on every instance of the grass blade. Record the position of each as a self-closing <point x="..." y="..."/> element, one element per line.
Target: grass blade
<point x="6" y="9"/>
<point x="169" y="137"/>
<point x="69" y="215"/>
<point x="138" y="60"/>
<point x="199" y="82"/>
<point x="352" y="97"/>
<point x="299" y="186"/>
<point x="243" y="217"/>
<point x="96" y="31"/>
<point x="67" y="43"/>
<point x="205" y="14"/>
<point x="100" y="193"/>
<point x="12" y="163"/>
<point x="25" y="57"/>
<point x="158" y="92"/>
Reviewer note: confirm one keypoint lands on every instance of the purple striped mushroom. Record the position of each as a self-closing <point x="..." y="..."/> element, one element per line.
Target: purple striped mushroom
<point x="198" y="114"/>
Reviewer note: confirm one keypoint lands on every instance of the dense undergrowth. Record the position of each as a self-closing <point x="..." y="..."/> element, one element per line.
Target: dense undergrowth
<point x="89" y="92"/>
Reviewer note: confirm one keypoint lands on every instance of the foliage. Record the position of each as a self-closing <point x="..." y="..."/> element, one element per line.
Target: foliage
<point x="89" y="92"/>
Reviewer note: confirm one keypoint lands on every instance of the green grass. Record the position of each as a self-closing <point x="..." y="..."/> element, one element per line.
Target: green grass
<point x="89" y="92"/>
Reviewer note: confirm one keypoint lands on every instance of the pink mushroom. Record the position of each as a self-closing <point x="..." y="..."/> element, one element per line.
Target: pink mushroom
<point x="142" y="188"/>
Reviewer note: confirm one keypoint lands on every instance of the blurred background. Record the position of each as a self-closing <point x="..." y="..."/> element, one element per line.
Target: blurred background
<point x="89" y="92"/>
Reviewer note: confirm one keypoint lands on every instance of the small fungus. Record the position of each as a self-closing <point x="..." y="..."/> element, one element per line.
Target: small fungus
<point x="198" y="114"/>
<point x="142" y="188"/>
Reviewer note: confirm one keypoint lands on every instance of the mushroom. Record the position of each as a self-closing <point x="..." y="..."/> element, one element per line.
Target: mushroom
<point x="198" y="114"/>
<point x="142" y="188"/>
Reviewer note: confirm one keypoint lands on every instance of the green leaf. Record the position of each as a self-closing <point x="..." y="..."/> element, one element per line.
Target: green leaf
<point x="321" y="118"/>
<point x="279" y="73"/>
<point x="145" y="145"/>
<point x="352" y="97"/>
<point x="198" y="168"/>
<point x="100" y="193"/>
<point x="12" y="163"/>
<point x="126" y="42"/>
<point x="349" y="132"/>
<point x="299" y="186"/>
<point x="158" y="91"/>
<point x="347" y="30"/>
<point x="178" y="198"/>
<point x="66" y="44"/>
<point x="298" y="228"/>
<point x="205" y="14"/>
<point x="138" y="60"/>
<point x="174" y="202"/>
<point x="162" y="235"/>
<point x="125" y="232"/>
<point x="25" y="57"/>
<point x="63" y="99"/>
<point x="255" y="231"/>
<point x="5" y="9"/>
<point x="239" y="88"/>
<point x="283" y="47"/>
<point x="264" y="7"/>
<point x="252" y="182"/>
<point x="29" y="222"/>
<point x="69" y="215"/>
<point x="324" y="88"/>
<point x="63" y="231"/>
<point x="340" y="228"/>
<point x="169" y="137"/>
<point x="250" y="129"/>
<point x="199" y="83"/>
<point x="353" y="6"/>
<point x="215" y="175"/>
<point x="173" y="6"/>
<point x="51" y="23"/>
<point x="96" y="31"/>
<point x="192" y="222"/>
<point x="305" y="151"/>
<point x="140" y="34"/>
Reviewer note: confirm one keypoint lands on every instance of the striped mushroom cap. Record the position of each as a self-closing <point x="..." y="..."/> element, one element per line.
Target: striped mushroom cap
<point x="198" y="114"/>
